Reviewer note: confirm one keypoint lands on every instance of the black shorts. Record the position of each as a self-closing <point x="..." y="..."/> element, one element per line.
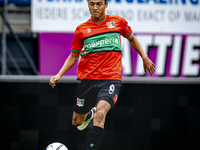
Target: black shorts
<point x="92" y="91"/>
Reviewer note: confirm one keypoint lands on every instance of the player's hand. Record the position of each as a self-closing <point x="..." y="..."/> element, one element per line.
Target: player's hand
<point x="53" y="80"/>
<point x="148" y="64"/>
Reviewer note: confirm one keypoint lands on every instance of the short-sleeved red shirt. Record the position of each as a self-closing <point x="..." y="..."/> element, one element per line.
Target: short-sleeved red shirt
<point x="99" y="44"/>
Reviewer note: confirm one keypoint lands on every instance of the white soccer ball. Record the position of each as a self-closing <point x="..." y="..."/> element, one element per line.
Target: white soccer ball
<point x="56" y="146"/>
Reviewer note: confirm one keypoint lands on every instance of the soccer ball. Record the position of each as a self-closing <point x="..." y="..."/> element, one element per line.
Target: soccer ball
<point x="56" y="146"/>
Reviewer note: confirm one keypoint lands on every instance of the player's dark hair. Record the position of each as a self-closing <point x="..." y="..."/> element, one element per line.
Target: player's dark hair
<point x="104" y="0"/>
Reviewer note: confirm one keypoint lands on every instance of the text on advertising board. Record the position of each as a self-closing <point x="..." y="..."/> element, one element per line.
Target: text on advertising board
<point x="183" y="2"/>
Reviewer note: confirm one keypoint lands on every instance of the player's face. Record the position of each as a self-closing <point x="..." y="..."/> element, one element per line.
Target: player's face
<point x="97" y="8"/>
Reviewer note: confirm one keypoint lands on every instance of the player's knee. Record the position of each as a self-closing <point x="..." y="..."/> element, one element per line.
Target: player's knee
<point x="100" y="115"/>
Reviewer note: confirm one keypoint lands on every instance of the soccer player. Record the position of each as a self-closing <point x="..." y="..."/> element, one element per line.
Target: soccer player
<point x="100" y="68"/>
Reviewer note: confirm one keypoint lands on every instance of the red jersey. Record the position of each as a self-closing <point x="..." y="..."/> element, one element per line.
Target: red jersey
<point x="99" y="43"/>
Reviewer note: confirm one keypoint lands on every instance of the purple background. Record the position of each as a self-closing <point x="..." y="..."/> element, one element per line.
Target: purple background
<point x="54" y="48"/>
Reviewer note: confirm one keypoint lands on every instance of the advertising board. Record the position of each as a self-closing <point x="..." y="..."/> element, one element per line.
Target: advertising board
<point x="173" y="55"/>
<point x="146" y="16"/>
<point x="168" y="31"/>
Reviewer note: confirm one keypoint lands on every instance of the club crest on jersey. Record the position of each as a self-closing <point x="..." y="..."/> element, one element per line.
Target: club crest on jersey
<point x="88" y="30"/>
<point x="80" y="102"/>
<point x="110" y="24"/>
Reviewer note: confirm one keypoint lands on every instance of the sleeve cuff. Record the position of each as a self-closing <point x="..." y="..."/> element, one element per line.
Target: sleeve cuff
<point x="75" y="51"/>
<point x="128" y="34"/>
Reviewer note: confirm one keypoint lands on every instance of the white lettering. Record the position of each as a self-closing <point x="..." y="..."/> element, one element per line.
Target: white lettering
<point x="97" y="43"/>
<point x="145" y="41"/>
<point x="101" y="42"/>
<point x="190" y="69"/>
<point x="110" y="40"/>
<point x="176" y="56"/>
<point x="126" y="57"/>
<point x="93" y="44"/>
<point x="116" y="41"/>
<point x="106" y="41"/>
<point x="162" y="42"/>
<point x="113" y="40"/>
<point x="89" y="46"/>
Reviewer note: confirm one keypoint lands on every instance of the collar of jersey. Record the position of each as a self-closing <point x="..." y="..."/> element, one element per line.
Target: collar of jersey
<point x="100" y="20"/>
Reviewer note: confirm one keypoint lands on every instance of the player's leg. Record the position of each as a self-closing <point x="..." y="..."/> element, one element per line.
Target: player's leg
<point x="87" y="119"/>
<point x="82" y="120"/>
<point x="78" y="119"/>
<point x="83" y="108"/>
<point x="96" y="133"/>
<point x="107" y="98"/>
<point x="102" y="109"/>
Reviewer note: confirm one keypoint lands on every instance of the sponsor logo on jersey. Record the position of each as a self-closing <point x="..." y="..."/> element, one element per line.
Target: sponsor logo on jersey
<point x="110" y="24"/>
<point x="80" y="102"/>
<point x="103" y="42"/>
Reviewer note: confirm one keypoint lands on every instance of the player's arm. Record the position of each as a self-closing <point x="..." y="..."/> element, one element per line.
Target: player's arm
<point x="147" y="63"/>
<point x="69" y="63"/>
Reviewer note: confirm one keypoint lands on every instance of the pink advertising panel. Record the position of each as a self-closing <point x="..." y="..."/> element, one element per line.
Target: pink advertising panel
<point x="174" y="55"/>
<point x="54" y="48"/>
